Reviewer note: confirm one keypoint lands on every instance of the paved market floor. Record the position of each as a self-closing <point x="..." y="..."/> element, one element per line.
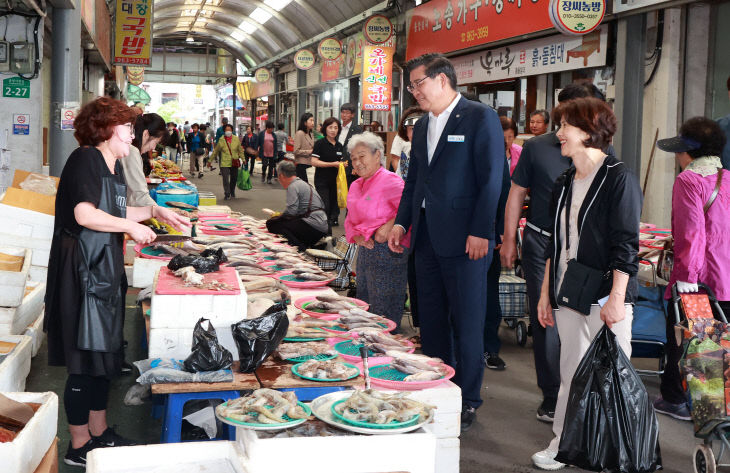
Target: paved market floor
<point x="503" y="439"/>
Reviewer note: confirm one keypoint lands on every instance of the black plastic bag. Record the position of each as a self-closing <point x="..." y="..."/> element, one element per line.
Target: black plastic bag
<point x="207" y="353"/>
<point x="217" y="254"/>
<point x="257" y="338"/>
<point x="610" y="423"/>
<point x="201" y="264"/>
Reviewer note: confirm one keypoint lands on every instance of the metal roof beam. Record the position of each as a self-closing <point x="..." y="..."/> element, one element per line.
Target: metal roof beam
<point x="231" y="18"/>
<point x="332" y="31"/>
<point x="172" y="22"/>
<point x="220" y="42"/>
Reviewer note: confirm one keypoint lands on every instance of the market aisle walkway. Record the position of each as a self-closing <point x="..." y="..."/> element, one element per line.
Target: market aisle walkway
<point x="503" y="439"/>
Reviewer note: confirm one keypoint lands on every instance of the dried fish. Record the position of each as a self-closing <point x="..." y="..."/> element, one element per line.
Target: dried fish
<point x="299" y="349"/>
<point x="326" y="369"/>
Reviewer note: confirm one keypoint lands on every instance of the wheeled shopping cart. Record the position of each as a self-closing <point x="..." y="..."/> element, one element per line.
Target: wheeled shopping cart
<point x="341" y="261"/>
<point x="706" y="344"/>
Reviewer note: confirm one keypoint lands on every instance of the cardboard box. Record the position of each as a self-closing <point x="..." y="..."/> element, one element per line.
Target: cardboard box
<point x="22" y="198"/>
<point x="49" y="463"/>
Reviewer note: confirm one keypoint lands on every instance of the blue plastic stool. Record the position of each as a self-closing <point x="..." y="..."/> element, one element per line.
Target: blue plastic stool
<point x="310" y="394"/>
<point x="172" y="422"/>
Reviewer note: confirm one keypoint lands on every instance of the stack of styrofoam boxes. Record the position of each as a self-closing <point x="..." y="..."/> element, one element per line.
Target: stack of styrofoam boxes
<point x="446" y="425"/>
<point x="15" y="366"/>
<point x="173" y="317"/>
<point x="144" y="270"/>
<point x="411" y="452"/>
<point x="25" y="452"/>
<point x="23" y="228"/>
<point x="27" y="316"/>
<point x="188" y="457"/>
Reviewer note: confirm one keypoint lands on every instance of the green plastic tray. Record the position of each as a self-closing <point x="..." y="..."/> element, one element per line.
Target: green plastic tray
<point x="301" y="359"/>
<point x="290" y="422"/>
<point x="340" y="328"/>
<point x="353" y="349"/>
<point x="149" y="251"/>
<point x="368" y="425"/>
<point x="387" y="373"/>
<point x="303" y="339"/>
<point x="295" y="370"/>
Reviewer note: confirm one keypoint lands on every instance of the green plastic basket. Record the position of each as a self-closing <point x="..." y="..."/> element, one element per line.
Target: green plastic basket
<point x="368" y="425"/>
<point x="295" y="370"/>
<point x="351" y="348"/>
<point x="387" y="373"/>
<point x="303" y="339"/>
<point x="321" y="311"/>
<point x="320" y="357"/>
<point x="150" y="251"/>
<point x="289" y="421"/>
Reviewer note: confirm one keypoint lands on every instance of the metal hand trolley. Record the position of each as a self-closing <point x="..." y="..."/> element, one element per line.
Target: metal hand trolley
<point x="716" y="429"/>
<point x="345" y="254"/>
<point x="513" y="297"/>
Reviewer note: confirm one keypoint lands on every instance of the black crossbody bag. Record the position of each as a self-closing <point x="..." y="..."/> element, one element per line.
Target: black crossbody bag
<point x="581" y="283"/>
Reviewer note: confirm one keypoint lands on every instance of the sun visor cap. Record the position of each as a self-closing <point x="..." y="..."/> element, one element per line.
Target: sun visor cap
<point x="678" y="144"/>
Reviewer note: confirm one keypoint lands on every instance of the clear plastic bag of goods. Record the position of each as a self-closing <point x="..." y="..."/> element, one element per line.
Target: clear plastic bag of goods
<point x="168" y="370"/>
<point x="39" y="183"/>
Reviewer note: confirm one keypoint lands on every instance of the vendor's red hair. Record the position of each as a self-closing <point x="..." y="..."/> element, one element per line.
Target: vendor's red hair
<point x="94" y="122"/>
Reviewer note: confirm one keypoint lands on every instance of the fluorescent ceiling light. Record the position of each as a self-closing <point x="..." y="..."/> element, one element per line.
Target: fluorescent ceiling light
<point x="189" y="39"/>
<point x="260" y="15"/>
<point x="277" y="4"/>
<point x="189" y="12"/>
<point x="247" y="26"/>
<point x="238" y="35"/>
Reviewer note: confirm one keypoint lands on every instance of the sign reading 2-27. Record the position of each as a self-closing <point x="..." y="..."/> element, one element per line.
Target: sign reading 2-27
<point x="16" y="87"/>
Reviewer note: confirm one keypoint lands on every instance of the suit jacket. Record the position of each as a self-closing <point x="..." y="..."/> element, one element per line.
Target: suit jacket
<point x="354" y="130"/>
<point x="461" y="185"/>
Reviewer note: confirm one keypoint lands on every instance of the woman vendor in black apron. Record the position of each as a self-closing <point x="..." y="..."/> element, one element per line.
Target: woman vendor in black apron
<point x="86" y="284"/>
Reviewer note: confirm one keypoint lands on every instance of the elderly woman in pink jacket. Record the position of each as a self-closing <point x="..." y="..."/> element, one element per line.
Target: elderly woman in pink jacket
<point x="700" y="227"/>
<point x="511" y="150"/>
<point x="372" y="203"/>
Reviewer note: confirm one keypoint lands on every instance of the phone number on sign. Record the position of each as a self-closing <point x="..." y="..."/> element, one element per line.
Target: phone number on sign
<point x="473" y="35"/>
<point x="376" y="107"/>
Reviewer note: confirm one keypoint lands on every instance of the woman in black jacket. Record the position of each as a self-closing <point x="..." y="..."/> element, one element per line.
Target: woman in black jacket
<point x="595" y="213"/>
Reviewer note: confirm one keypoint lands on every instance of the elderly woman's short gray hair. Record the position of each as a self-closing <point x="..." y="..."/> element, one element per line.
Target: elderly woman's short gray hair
<point x="286" y="169"/>
<point x="367" y="139"/>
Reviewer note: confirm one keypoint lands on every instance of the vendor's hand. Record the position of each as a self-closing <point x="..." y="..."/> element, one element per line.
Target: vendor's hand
<point x="381" y="234"/>
<point x="476" y="247"/>
<point x="614" y="311"/>
<point x="361" y="241"/>
<point x="545" y="311"/>
<point x="171" y="218"/>
<point x="394" y="238"/>
<point x="508" y="252"/>
<point x="141" y="233"/>
<point x="684" y="287"/>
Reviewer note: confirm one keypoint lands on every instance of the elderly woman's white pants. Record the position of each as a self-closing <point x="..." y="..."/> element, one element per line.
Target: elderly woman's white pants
<point x="576" y="333"/>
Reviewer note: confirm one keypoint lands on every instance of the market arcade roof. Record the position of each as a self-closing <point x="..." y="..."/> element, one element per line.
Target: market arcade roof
<point x="252" y="30"/>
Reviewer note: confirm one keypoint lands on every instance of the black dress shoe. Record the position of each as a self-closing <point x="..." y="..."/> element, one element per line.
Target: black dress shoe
<point x="468" y="416"/>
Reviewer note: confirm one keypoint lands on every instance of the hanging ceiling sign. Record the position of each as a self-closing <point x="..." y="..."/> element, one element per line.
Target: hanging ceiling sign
<point x="377" y="78"/>
<point x="330" y="49"/>
<point x="133" y="38"/>
<point x="262" y="75"/>
<point x="577" y="17"/>
<point x="304" y="59"/>
<point x="442" y="26"/>
<point x="377" y="29"/>
<point x="135" y="75"/>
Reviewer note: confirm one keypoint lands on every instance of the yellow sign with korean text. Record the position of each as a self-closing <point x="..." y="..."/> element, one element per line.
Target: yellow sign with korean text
<point x="133" y="39"/>
<point x="377" y="77"/>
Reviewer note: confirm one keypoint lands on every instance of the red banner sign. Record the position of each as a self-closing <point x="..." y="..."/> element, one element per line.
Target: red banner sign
<point x="450" y="25"/>
<point x="377" y="77"/>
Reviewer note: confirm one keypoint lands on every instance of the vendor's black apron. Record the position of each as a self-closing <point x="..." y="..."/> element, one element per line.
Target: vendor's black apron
<point x="101" y="276"/>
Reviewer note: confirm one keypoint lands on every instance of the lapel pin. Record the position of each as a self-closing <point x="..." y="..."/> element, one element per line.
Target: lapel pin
<point x="458" y="116"/>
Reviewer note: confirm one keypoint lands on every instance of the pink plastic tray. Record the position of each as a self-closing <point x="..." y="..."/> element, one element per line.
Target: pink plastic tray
<point x="302" y="284"/>
<point x="139" y="247"/>
<point x="214" y="231"/>
<point x="169" y="284"/>
<point x="390" y="327"/>
<point x="372" y="360"/>
<point x="407" y="385"/>
<point x="323" y="315"/>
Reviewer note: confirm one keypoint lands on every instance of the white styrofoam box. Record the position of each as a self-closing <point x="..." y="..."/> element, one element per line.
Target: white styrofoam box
<point x="414" y="452"/>
<point x="183" y="311"/>
<point x="144" y="270"/>
<point x="26" y="223"/>
<point x="41" y="246"/>
<point x="177" y="342"/>
<point x="38" y="273"/>
<point x="25" y="452"/>
<point x="14" y="368"/>
<point x="35" y="331"/>
<point x="447" y="455"/>
<point x="14" y="320"/>
<point x="12" y="283"/>
<point x="189" y="457"/>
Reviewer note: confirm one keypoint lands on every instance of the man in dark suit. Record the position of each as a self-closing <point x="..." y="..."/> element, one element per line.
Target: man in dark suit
<point x="450" y="203"/>
<point x="348" y="130"/>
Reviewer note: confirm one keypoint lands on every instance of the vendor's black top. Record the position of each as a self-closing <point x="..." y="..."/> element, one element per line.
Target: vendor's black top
<point x="539" y="166"/>
<point x="330" y="153"/>
<point x="85" y="178"/>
